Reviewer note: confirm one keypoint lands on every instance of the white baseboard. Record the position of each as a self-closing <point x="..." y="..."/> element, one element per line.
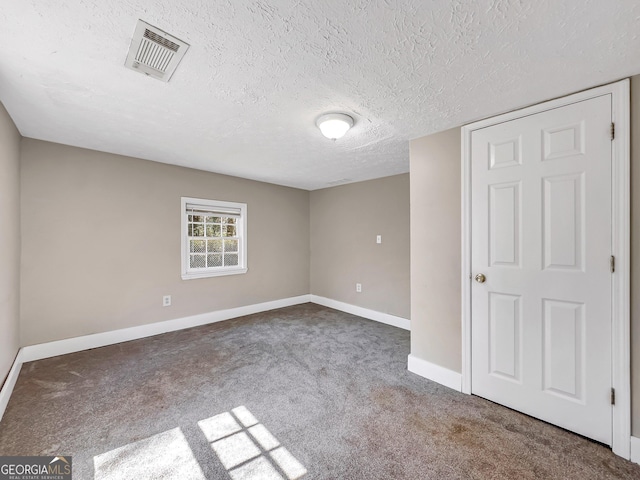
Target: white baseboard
<point x="10" y="382"/>
<point x="86" y="342"/>
<point x="96" y="340"/>
<point x="434" y="372"/>
<point x="635" y="449"/>
<point x="363" y="312"/>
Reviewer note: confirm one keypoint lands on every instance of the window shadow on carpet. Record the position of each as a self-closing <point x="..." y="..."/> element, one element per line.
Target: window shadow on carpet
<point x="245" y="447"/>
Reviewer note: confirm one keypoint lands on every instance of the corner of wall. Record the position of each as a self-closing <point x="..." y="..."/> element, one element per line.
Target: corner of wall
<point x="10" y="139"/>
<point x="354" y="256"/>
<point x="435" y="247"/>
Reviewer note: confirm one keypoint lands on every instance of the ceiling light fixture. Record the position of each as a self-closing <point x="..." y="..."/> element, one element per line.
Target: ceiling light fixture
<point x="334" y="125"/>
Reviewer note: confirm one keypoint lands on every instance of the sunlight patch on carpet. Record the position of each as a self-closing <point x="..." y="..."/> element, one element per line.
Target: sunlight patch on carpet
<point x="165" y="456"/>
<point x="247" y="449"/>
<point x="288" y="463"/>
<point x="234" y="450"/>
<point x="260" y="469"/>
<point x="245" y="416"/>
<point x="218" y="427"/>
<point x="264" y="437"/>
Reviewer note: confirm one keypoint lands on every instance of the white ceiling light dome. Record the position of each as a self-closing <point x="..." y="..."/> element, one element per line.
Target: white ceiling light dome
<point x="334" y="125"/>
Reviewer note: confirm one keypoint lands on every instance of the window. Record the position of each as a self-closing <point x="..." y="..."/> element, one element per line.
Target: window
<point x="213" y="238"/>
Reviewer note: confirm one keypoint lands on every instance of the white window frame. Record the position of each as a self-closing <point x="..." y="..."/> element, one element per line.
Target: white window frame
<point x="241" y="233"/>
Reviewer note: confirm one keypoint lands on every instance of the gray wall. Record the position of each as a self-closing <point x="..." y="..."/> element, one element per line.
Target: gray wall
<point x="435" y="249"/>
<point x="9" y="242"/>
<point x="344" y="223"/>
<point x="101" y="242"/>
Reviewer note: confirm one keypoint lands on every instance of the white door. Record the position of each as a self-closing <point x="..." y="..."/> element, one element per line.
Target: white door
<point x="541" y="235"/>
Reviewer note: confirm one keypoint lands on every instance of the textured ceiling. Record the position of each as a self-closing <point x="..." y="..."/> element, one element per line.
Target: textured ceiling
<point x="258" y="73"/>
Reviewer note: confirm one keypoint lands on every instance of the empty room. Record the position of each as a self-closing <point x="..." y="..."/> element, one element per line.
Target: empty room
<point x="278" y="240"/>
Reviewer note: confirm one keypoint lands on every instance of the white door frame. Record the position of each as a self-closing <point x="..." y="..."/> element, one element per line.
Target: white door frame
<point x="621" y="234"/>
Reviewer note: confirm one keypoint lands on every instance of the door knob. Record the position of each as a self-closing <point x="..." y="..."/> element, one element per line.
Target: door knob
<point x="480" y="278"/>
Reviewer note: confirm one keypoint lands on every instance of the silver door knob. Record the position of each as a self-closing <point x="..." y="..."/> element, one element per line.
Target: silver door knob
<point x="480" y="278"/>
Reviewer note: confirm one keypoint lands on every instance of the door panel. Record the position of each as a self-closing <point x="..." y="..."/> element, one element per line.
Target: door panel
<point x="541" y="234"/>
<point x="504" y="344"/>
<point x="562" y="228"/>
<point x="504" y="219"/>
<point x="564" y="348"/>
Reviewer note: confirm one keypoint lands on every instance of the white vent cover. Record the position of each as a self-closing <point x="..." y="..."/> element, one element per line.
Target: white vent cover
<point x="154" y="52"/>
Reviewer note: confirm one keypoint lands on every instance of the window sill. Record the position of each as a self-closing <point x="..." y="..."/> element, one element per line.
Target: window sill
<point x="218" y="273"/>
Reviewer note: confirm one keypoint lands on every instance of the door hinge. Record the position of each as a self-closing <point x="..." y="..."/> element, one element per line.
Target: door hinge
<point x="612" y="263"/>
<point x="613" y="396"/>
<point x="613" y="130"/>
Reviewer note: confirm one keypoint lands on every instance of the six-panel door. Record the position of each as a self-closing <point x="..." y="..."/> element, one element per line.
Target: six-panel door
<point x="541" y="234"/>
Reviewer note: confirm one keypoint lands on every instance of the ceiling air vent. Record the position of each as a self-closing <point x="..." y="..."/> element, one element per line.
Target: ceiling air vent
<point x="154" y="52"/>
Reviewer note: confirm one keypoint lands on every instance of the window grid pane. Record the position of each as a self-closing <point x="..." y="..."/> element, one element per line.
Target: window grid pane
<point x="213" y="241"/>
<point x="220" y="250"/>
<point x="214" y="260"/>
<point x="231" y="259"/>
<point x="197" y="261"/>
<point x="226" y="251"/>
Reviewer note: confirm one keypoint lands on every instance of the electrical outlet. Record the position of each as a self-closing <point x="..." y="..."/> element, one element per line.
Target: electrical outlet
<point x="358" y="287"/>
<point x="166" y="301"/>
<point x="379" y="239"/>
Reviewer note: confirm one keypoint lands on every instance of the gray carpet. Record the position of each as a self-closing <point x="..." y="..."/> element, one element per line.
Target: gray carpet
<point x="301" y="392"/>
